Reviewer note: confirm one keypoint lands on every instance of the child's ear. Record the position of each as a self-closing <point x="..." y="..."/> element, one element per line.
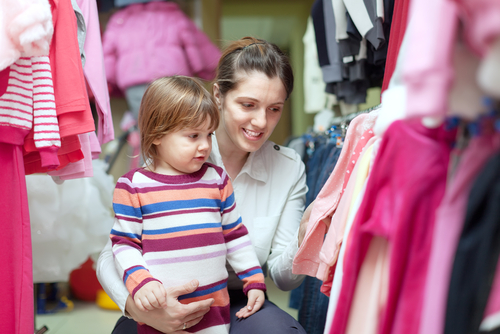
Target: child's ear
<point x="157" y="141"/>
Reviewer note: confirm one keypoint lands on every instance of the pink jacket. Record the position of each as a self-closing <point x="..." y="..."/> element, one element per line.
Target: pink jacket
<point x="143" y="42"/>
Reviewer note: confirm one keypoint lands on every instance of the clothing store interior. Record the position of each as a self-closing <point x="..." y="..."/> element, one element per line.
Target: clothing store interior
<point x="395" y="238"/>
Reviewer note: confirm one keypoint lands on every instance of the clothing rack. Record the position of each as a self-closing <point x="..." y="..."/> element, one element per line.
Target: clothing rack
<point x="347" y="118"/>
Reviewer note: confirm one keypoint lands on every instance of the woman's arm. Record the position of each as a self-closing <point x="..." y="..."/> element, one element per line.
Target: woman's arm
<point x="175" y="315"/>
<point x="165" y="320"/>
<point x="286" y="238"/>
<point x="109" y="278"/>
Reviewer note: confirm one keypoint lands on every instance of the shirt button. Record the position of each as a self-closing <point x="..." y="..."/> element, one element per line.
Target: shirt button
<point x="276" y="147"/>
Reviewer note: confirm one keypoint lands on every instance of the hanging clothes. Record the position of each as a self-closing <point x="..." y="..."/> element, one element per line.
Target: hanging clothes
<point x="306" y="260"/>
<point x="477" y="252"/>
<point x="398" y="30"/>
<point x="72" y="105"/>
<point x="389" y="210"/>
<point x="447" y="229"/>
<point x="16" y="290"/>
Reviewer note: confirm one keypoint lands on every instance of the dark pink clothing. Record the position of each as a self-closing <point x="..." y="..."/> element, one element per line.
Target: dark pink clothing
<point x="450" y="219"/>
<point x="405" y="187"/>
<point x="16" y="290"/>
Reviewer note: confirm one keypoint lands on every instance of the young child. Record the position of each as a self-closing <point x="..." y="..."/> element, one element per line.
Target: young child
<point x="176" y="218"/>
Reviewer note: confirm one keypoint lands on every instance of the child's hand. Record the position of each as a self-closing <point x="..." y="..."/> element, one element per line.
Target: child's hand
<point x="152" y="295"/>
<point x="255" y="301"/>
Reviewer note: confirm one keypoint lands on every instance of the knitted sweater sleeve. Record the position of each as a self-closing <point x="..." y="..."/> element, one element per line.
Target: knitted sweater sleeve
<point x="45" y="123"/>
<point x="240" y="253"/>
<point x="126" y="237"/>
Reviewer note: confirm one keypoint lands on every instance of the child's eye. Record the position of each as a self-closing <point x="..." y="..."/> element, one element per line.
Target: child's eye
<point x="194" y="136"/>
<point x="210" y="134"/>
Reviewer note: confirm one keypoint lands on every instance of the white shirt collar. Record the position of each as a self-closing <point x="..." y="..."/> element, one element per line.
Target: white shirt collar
<point x="254" y="166"/>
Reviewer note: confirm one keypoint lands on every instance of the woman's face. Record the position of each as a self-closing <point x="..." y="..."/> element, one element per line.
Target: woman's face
<point x="251" y="111"/>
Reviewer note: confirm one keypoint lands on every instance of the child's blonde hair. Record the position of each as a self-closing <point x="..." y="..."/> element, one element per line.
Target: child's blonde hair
<point x="172" y="103"/>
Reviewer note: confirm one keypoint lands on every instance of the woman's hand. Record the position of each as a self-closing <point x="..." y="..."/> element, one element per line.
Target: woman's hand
<point x="175" y="316"/>
<point x="303" y="223"/>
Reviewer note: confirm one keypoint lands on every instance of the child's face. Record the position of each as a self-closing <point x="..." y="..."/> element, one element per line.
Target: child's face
<point x="184" y="151"/>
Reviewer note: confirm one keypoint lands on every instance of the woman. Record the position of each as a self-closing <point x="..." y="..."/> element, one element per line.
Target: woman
<point x="254" y="78"/>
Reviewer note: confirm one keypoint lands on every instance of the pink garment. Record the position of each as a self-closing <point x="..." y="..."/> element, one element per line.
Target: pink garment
<point x="27" y="109"/>
<point x="370" y="296"/>
<point x="4" y="80"/>
<point x="406" y="185"/>
<point x="306" y="260"/>
<point x="25" y="29"/>
<point x="428" y="68"/>
<point x="482" y="23"/>
<point x="95" y="147"/>
<point x="367" y="135"/>
<point x="331" y="245"/>
<point x="450" y="219"/>
<point x="94" y="70"/>
<point x="80" y="168"/>
<point x="16" y="290"/>
<point x="143" y="42"/>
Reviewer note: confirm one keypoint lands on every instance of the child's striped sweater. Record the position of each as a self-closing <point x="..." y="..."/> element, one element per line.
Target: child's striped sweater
<point x="29" y="102"/>
<point x="176" y="228"/>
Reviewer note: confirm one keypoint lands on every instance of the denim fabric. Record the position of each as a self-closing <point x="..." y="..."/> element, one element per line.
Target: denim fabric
<point x="314" y="307"/>
<point x="331" y="158"/>
<point x="313" y="168"/>
<point x="307" y="298"/>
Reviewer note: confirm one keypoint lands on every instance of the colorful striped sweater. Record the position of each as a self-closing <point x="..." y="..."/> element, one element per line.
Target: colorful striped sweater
<point x="177" y="228"/>
<point x="29" y="102"/>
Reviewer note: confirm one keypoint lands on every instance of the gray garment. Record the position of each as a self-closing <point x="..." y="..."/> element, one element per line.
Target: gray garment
<point x="134" y="97"/>
<point x="81" y="29"/>
<point x="368" y="16"/>
<point x="123" y="3"/>
<point x="333" y="72"/>
<point x="298" y="145"/>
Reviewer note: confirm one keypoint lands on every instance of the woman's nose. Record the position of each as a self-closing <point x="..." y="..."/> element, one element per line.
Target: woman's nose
<point x="260" y="119"/>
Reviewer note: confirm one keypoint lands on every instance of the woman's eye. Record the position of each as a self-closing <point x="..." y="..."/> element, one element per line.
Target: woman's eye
<point x="275" y="109"/>
<point x="247" y="105"/>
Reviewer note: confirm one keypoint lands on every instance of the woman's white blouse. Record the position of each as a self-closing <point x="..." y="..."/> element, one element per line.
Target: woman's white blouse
<point x="270" y="193"/>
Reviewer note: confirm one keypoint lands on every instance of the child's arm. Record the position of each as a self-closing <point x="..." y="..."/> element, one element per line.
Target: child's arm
<point x="126" y="238"/>
<point x="240" y="253"/>
<point x="256" y="299"/>
<point x="150" y="296"/>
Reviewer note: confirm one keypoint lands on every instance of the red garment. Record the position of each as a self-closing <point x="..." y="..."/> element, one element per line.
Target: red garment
<point x="405" y="187"/>
<point x="70" y="151"/>
<point x="4" y="80"/>
<point x="16" y="290"/>
<point x="398" y="29"/>
<point x="72" y="105"/>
